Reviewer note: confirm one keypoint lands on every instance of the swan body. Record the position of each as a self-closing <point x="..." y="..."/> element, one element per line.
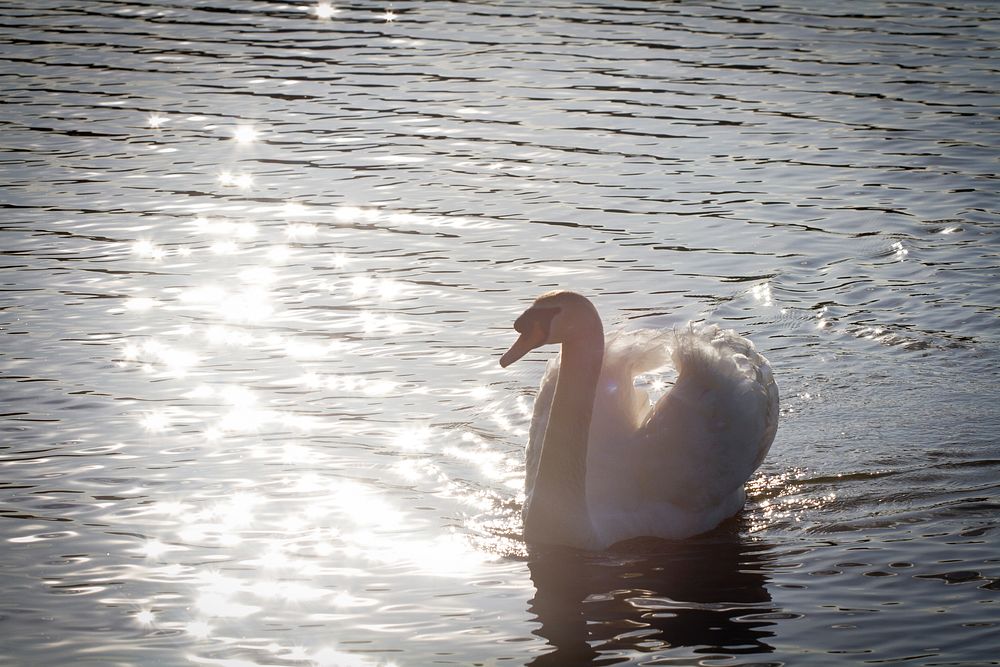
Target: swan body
<point x="603" y="463"/>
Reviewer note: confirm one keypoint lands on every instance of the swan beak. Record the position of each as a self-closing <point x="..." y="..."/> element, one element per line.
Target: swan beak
<point x="534" y="337"/>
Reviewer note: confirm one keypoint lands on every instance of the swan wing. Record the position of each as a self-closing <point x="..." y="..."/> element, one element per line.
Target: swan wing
<point x="704" y="438"/>
<point x="620" y="408"/>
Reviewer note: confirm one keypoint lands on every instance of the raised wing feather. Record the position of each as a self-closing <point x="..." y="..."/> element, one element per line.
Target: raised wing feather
<point x="706" y="436"/>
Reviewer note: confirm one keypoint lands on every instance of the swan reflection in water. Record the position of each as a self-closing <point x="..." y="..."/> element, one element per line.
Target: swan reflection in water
<point x="704" y="595"/>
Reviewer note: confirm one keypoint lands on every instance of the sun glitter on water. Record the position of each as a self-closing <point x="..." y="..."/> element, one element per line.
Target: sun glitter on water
<point x="324" y="10"/>
<point x="245" y="134"/>
<point x="307" y="537"/>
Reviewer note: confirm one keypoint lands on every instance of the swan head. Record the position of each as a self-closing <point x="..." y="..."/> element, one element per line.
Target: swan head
<point x="554" y="317"/>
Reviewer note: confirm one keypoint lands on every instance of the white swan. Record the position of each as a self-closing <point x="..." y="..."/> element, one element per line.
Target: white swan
<point x="603" y="465"/>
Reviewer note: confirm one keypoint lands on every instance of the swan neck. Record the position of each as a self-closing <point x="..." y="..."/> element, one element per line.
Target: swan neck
<point x="557" y="511"/>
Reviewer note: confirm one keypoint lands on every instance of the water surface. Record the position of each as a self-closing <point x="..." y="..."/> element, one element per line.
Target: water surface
<point x="260" y="260"/>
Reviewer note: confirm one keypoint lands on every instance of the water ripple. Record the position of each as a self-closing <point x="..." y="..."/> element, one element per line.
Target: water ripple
<point x="260" y="260"/>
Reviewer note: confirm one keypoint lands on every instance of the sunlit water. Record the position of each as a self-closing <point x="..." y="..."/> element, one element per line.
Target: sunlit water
<point x="260" y="260"/>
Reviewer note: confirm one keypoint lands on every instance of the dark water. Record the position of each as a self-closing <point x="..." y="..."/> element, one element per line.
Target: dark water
<point x="259" y="263"/>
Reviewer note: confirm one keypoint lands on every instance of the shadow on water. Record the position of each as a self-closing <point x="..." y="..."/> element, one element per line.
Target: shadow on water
<point x="707" y="594"/>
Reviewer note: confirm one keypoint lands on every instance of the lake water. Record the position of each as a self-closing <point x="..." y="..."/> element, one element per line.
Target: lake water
<point x="260" y="260"/>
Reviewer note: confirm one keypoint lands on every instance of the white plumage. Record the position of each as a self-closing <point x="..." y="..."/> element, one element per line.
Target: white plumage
<point x="672" y="469"/>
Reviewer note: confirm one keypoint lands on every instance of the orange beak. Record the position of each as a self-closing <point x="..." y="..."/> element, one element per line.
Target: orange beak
<point x="534" y="337"/>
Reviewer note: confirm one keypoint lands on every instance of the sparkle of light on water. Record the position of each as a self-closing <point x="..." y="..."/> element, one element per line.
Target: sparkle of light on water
<point x="260" y="260"/>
